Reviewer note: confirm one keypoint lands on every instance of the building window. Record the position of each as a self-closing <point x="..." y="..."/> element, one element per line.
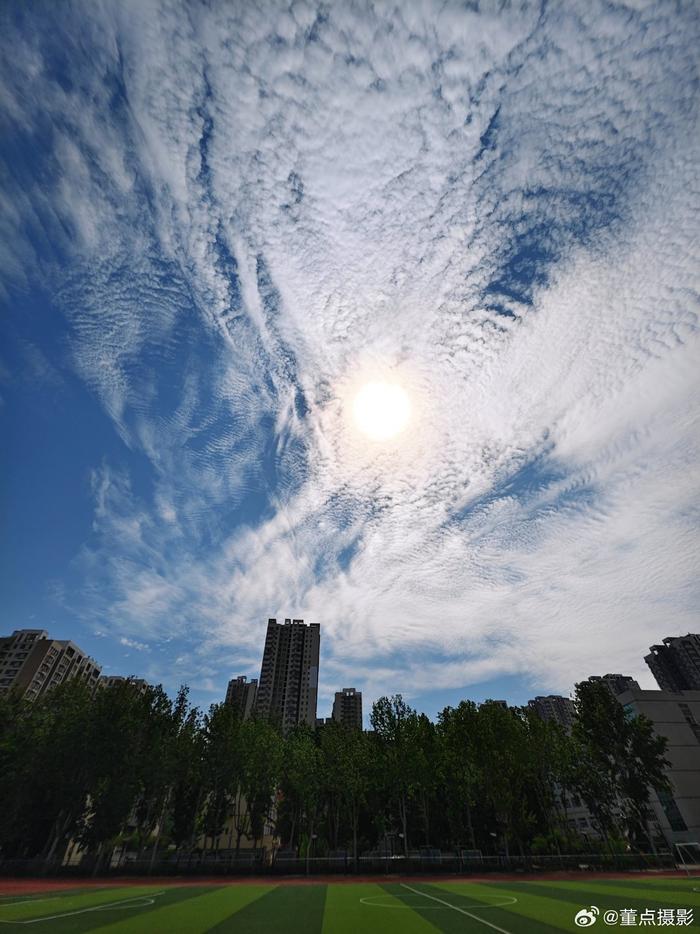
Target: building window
<point x="672" y="812"/>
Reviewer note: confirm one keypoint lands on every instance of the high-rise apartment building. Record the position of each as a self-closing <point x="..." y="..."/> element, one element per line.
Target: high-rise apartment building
<point x="617" y="683"/>
<point x="32" y="663"/>
<point x="676" y="663"/>
<point x="288" y="686"/>
<point x="555" y="707"/>
<point x="347" y="707"/>
<point x="241" y="695"/>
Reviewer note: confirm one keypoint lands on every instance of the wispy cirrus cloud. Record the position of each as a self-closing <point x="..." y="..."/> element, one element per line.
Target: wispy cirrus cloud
<point x="246" y="213"/>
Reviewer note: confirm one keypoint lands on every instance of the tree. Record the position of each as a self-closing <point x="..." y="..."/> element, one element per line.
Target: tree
<point x="503" y="756"/>
<point x="221" y="768"/>
<point x="261" y="762"/>
<point x="119" y="759"/>
<point x="426" y="768"/>
<point x="346" y="756"/>
<point x="333" y="739"/>
<point x="187" y="779"/>
<point x="459" y="771"/>
<point x="127" y="763"/>
<point x="164" y="724"/>
<point x="44" y="777"/>
<point x="396" y="727"/>
<point x="302" y="779"/>
<point x="550" y="752"/>
<point x="619" y="760"/>
<point x="644" y="768"/>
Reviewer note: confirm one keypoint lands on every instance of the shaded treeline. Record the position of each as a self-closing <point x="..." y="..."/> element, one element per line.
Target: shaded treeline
<point x="130" y="767"/>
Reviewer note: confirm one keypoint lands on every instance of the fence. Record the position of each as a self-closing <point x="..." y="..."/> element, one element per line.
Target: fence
<point x="260" y="863"/>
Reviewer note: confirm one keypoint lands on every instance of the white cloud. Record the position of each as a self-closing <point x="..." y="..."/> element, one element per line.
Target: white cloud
<point x="376" y="176"/>
<point x="133" y="644"/>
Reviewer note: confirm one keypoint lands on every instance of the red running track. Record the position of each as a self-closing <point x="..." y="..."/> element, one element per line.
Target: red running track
<point x="36" y="885"/>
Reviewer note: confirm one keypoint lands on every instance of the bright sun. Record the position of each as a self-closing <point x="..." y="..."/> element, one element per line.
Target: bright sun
<point x="381" y="410"/>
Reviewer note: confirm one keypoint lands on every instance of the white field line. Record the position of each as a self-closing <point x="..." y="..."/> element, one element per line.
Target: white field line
<point x="29" y="900"/>
<point x="463" y="911"/>
<point x="373" y="902"/>
<point x="33" y="899"/>
<point x="143" y="902"/>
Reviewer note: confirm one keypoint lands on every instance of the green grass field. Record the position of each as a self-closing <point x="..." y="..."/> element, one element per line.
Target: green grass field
<point x="528" y="907"/>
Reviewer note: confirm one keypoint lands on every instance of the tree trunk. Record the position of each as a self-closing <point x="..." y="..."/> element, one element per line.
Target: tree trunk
<point x="308" y="846"/>
<point x="470" y="827"/>
<point x="293" y="831"/>
<point x="354" y="836"/>
<point x="650" y="835"/>
<point x="98" y="859"/>
<point x="50" y="844"/>
<point x="159" y="831"/>
<point x="336" y="825"/>
<point x="58" y="834"/>
<point x="230" y="835"/>
<point x="426" y="819"/>
<point x="404" y="823"/>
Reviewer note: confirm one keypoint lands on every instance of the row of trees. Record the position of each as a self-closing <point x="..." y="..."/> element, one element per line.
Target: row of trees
<point x="131" y="766"/>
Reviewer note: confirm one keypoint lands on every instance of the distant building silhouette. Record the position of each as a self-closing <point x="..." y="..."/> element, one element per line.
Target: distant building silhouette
<point x="676" y="663"/>
<point x="347" y="707"/>
<point x="111" y="681"/>
<point x="555" y="707"/>
<point x="241" y="695"/>
<point x="288" y="687"/>
<point x="617" y="683"/>
<point x="32" y="663"/>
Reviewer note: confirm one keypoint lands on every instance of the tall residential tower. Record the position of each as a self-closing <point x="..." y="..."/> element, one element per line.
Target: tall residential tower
<point x="288" y="685"/>
<point x="676" y="664"/>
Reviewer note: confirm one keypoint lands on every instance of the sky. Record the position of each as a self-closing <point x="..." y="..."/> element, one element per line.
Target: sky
<point x="220" y="221"/>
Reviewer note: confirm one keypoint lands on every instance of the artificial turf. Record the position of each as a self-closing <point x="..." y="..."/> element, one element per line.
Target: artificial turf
<point x="528" y="907"/>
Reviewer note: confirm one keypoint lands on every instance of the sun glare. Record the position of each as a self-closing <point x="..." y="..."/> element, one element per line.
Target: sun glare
<point x="381" y="410"/>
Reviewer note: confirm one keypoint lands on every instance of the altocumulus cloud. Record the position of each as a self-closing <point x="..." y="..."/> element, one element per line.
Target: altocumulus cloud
<point x="246" y="210"/>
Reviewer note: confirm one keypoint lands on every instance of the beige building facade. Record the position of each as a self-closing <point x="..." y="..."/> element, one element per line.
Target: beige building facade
<point x="677" y="717"/>
<point x="32" y="663"/>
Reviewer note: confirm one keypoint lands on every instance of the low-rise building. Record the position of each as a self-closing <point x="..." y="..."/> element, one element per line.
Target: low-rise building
<point x="241" y="695"/>
<point x="110" y="681"/>
<point x="347" y="708"/>
<point x="677" y="717"/>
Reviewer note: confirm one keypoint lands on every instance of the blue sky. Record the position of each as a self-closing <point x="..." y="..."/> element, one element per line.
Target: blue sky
<point x="220" y="221"/>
